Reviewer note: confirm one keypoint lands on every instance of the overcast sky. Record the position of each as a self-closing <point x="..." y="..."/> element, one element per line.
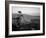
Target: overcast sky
<point x="34" y="11"/>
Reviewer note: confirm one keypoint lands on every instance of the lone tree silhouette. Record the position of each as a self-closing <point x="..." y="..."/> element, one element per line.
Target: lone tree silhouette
<point x="19" y="12"/>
